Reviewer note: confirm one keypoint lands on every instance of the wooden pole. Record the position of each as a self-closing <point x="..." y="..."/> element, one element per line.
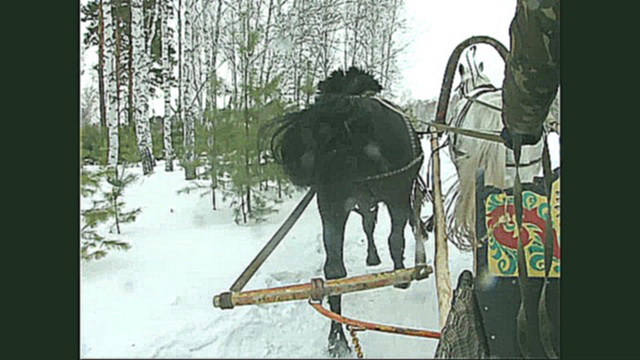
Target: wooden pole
<point x="443" y="275"/>
<point x="273" y="242"/>
<point x="317" y="289"/>
<point x="443" y="279"/>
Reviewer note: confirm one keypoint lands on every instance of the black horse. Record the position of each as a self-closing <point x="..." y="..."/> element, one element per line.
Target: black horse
<point x="355" y="150"/>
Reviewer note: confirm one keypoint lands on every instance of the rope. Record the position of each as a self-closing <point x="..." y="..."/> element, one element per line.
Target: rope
<point x="364" y="325"/>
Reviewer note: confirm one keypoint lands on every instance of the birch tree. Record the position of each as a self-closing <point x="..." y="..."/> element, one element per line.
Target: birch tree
<point x="165" y="9"/>
<point x="180" y="54"/>
<point x="213" y="20"/>
<point x="149" y="33"/>
<point x="188" y="121"/>
<point x="101" y="62"/>
<point x="140" y="88"/>
<point x="111" y="88"/>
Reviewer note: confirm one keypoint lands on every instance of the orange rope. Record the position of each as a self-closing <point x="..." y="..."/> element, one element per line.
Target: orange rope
<point x="371" y="326"/>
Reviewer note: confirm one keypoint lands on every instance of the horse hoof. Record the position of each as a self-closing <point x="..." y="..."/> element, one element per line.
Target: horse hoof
<point x="403" y="286"/>
<point x="339" y="349"/>
<point x="373" y="260"/>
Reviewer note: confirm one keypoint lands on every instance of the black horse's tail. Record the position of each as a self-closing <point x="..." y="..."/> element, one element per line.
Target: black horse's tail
<point x="314" y="145"/>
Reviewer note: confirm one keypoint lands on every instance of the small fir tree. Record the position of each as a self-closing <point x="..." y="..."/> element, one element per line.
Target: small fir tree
<point x="107" y="209"/>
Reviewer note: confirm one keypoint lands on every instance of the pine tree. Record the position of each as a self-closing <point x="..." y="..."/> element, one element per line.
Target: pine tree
<point x="107" y="209"/>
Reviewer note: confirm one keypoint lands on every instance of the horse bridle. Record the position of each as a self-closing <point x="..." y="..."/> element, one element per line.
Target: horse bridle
<point x="482" y="89"/>
<point x="485" y="89"/>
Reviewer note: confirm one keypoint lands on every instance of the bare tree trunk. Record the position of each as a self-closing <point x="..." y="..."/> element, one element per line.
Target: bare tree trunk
<point x="101" y="61"/>
<point x="110" y="94"/>
<point x="386" y="76"/>
<point x="180" y="109"/>
<point x="118" y="72"/>
<point x="189" y="123"/>
<point x="356" y="33"/>
<point x="148" y="59"/>
<point x="246" y="81"/>
<point x="141" y="68"/>
<point x="266" y="45"/>
<point x="196" y="45"/>
<point x="130" y="72"/>
<point x="213" y="98"/>
<point x="166" y="76"/>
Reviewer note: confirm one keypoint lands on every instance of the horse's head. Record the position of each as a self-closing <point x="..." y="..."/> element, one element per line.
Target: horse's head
<point x="472" y="74"/>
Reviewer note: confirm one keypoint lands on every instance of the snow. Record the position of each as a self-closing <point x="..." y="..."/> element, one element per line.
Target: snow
<point x="155" y="300"/>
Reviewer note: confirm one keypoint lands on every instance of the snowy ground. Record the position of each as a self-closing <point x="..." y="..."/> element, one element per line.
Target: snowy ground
<point x="155" y="299"/>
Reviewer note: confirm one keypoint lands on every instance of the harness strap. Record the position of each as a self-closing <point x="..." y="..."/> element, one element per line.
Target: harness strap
<point x="394" y="172"/>
<point x="416" y="150"/>
<point x="525" y="164"/>
<point x="407" y="122"/>
<point x="481" y="90"/>
<point x="544" y="323"/>
<point x="521" y="319"/>
<point x="475" y="99"/>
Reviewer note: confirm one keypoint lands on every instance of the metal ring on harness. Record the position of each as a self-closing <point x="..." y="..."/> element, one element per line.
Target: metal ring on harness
<point x="317" y="290"/>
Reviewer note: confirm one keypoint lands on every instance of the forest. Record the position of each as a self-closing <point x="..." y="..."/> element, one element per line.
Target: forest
<point x="223" y="69"/>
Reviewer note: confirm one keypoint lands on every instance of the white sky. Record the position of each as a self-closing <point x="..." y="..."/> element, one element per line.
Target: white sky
<point x="434" y="29"/>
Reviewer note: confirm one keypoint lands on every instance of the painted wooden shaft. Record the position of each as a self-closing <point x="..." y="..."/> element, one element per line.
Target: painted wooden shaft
<point x="319" y="288"/>
<point x="272" y="243"/>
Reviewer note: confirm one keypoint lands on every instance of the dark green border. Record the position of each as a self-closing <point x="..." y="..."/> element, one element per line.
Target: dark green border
<point x="599" y="300"/>
<point x="600" y="263"/>
<point x="49" y="82"/>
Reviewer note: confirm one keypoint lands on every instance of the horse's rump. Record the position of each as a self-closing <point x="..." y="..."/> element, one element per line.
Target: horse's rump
<point x="344" y="138"/>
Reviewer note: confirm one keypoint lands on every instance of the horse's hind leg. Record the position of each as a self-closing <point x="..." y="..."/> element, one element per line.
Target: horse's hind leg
<point x="334" y="217"/>
<point x="400" y="213"/>
<point x="369" y="217"/>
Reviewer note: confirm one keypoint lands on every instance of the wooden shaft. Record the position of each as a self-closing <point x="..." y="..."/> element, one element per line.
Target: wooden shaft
<point x="328" y="288"/>
<point x="478" y="134"/>
<point x="272" y="243"/>
<point x="443" y="277"/>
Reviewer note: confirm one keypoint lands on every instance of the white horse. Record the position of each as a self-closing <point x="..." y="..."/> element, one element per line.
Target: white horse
<point x="476" y="104"/>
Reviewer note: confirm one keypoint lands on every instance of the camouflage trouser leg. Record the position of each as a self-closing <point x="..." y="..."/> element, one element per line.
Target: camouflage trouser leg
<point x="532" y="72"/>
